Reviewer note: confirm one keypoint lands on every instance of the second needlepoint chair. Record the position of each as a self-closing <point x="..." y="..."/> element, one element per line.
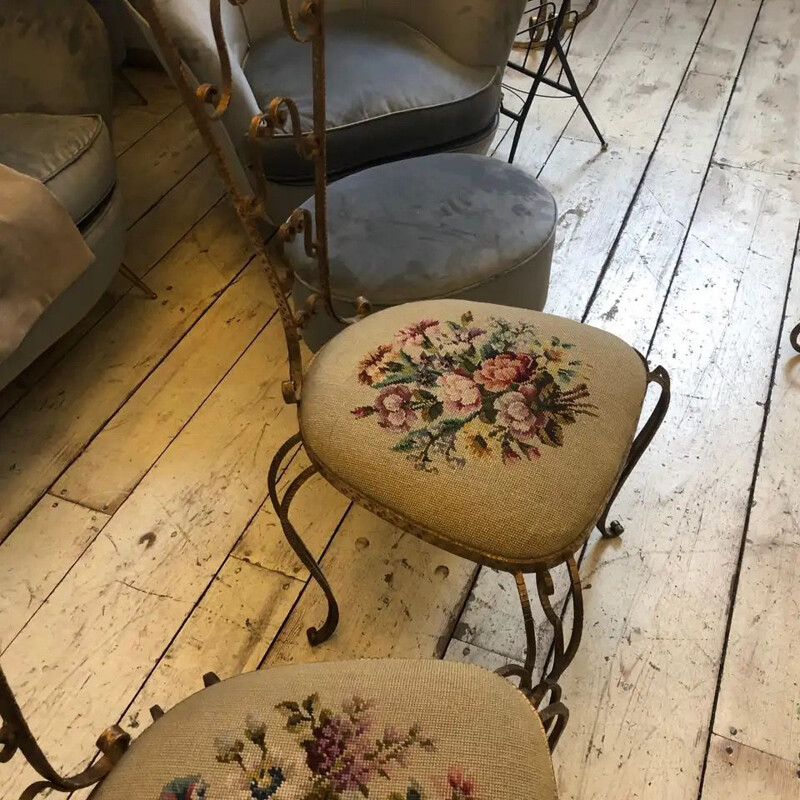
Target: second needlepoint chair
<point x="497" y="433"/>
<point x="388" y="730"/>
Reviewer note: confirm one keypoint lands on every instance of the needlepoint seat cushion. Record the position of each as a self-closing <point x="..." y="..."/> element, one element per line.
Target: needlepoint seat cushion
<point x="387" y="730"/>
<point x="390" y="92"/>
<point x="445" y="225"/>
<point x="495" y="432"/>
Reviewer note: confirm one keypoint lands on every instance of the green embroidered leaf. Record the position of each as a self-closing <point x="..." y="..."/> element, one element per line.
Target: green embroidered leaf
<point x="488" y="351"/>
<point x="295" y="721"/>
<point x="289" y="705"/>
<point x="408" y="443"/>
<point x="433" y="412"/>
<point x="452" y="425"/>
<point x="402" y="377"/>
<point x="310" y="703"/>
<point x="466" y="318"/>
<point x="364" y="789"/>
<point x="454" y="325"/>
<point x="424" y="395"/>
<point x="552" y="434"/>
<point x="488" y="413"/>
<point x="467" y="365"/>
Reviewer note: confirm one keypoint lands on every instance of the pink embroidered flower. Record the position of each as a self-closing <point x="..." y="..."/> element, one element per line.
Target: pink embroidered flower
<point x="415" y="334"/>
<point x="498" y="373"/>
<point x="463" y="788"/>
<point x="460" y="394"/>
<point x="371" y="368"/>
<point x="514" y="412"/>
<point x="393" y="405"/>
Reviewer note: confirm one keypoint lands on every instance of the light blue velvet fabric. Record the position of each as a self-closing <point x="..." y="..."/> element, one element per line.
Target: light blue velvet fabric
<point x="71" y="155"/>
<point x="390" y="92"/>
<point x="446" y="225"/>
<point x="55" y="58"/>
<point x="429" y="227"/>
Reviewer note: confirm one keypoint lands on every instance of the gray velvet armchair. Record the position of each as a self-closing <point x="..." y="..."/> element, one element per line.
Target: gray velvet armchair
<point x="404" y="78"/>
<point x="55" y="111"/>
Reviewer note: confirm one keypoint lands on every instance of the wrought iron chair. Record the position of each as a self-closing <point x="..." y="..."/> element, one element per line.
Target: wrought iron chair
<point x="319" y="731"/>
<point x="499" y="434"/>
<point x="428" y="76"/>
<point x="550" y="31"/>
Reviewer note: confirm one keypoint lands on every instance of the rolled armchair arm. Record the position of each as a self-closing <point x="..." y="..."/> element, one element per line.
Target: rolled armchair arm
<point x="55" y="58"/>
<point x="473" y="32"/>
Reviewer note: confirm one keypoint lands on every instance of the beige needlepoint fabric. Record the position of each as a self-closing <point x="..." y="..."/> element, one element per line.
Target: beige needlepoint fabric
<point x="382" y="730"/>
<point x="498" y="431"/>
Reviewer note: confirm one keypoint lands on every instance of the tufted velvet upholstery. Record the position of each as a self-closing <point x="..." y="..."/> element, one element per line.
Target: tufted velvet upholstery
<point x="71" y="155"/>
<point x="414" y="97"/>
<point x="465" y="46"/>
<point x="52" y="52"/>
<point x="55" y="111"/>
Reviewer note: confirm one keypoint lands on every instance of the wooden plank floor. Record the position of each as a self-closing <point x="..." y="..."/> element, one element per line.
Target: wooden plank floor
<point x="136" y="547"/>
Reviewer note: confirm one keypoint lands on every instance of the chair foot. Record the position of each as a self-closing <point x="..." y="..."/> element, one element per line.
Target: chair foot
<point x="315" y="635"/>
<point x="128" y="273"/>
<point x="794" y="338"/>
<point x="210" y="678"/>
<point x="661" y="377"/>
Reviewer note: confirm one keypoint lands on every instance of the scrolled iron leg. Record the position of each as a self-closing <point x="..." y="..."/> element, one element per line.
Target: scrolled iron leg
<point x="315" y="635"/>
<point x="661" y="377"/>
<point x="555" y="717"/>
<point x="546" y="694"/>
<point x="561" y="656"/>
<point x="524" y="673"/>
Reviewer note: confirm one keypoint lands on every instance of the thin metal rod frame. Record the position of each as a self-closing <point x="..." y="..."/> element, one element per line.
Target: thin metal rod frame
<point x="552" y="47"/>
<point x="130" y="275"/>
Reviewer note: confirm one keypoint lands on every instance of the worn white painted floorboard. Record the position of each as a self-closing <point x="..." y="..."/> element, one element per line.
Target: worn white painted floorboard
<point x="112" y="617"/>
<point x="759" y="696"/>
<point x="41" y="436"/>
<point x="37" y="555"/>
<point x="636" y="280"/>
<point x="133" y="439"/>
<point x="735" y="770"/>
<point x="138" y="619"/>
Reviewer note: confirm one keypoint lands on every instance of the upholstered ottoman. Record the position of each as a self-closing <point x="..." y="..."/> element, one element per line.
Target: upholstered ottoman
<point x="445" y="225"/>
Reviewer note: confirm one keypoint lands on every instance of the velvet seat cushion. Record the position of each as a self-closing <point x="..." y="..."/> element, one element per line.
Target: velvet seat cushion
<point x="377" y="729"/>
<point x="496" y="433"/>
<point x="449" y="224"/>
<point x="390" y="92"/>
<point x="71" y="155"/>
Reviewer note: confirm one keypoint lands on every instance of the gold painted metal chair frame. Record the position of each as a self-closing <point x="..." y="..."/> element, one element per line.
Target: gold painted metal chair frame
<point x="282" y="118"/>
<point x="15" y="735"/>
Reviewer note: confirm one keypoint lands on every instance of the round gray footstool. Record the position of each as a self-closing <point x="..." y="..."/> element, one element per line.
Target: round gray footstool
<point x="446" y="225"/>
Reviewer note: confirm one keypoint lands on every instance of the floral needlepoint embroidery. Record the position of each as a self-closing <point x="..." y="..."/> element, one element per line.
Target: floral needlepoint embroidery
<point x="262" y="779"/>
<point x="343" y="751"/>
<point x="342" y="755"/>
<point x="451" y="390"/>
<point x="192" y="788"/>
